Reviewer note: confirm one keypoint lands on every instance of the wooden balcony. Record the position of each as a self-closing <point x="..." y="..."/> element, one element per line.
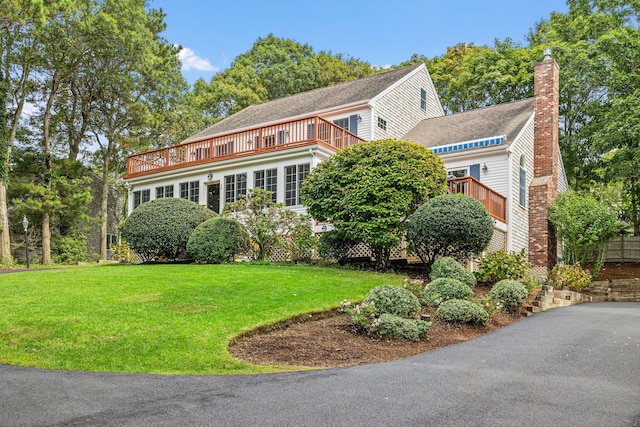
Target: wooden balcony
<point x="495" y="203"/>
<point x="280" y="136"/>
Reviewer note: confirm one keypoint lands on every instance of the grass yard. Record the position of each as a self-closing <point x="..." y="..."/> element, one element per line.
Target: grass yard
<point x="166" y="319"/>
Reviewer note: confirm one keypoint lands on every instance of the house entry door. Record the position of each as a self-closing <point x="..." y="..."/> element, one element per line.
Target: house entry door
<point x="213" y="197"/>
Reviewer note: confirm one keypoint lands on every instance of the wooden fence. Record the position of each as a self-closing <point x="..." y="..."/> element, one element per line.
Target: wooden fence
<point x="624" y="249"/>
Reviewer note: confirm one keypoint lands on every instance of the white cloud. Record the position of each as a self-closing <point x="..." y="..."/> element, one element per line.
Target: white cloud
<point x="191" y="61"/>
<point x="29" y="109"/>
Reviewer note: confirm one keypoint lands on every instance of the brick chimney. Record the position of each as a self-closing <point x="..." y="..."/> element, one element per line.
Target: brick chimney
<point x="543" y="245"/>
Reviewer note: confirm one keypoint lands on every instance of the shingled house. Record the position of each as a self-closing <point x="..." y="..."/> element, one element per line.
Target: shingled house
<point x="489" y="153"/>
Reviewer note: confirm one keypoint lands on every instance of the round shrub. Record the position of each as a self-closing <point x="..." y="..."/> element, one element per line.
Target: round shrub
<point x="392" y="300"/>
<point x="449" y="225"/>
<point x="444" y="289"/>
<point x="452" y="269"/>
<point x="392" y="327"/>
<point x="510" y="292"/>
<point x="217" y="240"/>
<point x="457" y="310"/>
<point x="161" y="227"/>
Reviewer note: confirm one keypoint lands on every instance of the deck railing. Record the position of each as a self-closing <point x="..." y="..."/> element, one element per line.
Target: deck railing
<point x="280" y="136"/>
<point x="495" y="203"/>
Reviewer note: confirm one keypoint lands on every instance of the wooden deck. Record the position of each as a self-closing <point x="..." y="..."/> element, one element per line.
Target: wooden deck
<point x="495" y="202"/>
<point x="279" y="136"/>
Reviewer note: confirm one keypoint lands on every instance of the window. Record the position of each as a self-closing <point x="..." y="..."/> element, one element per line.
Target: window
<point x="294" y="176"/>
<point x="382" y="123"/>
<point x="166" y="191"/>
<point x="184" y="190"/>
<point x="190" y="191"/>
<point x="423" y="99"/>
<point x="267" y="179"/>
<point x="343" y="123"/>
<point x="523" y="183"/>
<point x="140" y="197"/>
<point x="194" y="191"/>
<point x="234" y="187"/>
<point x="457" y="173"/>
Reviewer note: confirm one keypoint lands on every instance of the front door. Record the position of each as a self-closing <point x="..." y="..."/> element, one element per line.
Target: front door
<point x="213" y="197"/>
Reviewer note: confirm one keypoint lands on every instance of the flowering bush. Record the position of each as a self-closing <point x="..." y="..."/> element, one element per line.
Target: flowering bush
<point x="510" y="292"/>
<point x="572" y="276"/>
<point x="491" y="305"/>
<point x="443" y="289"/>
<point x="452" y="269"/>
<point x="364" y="316"/>
<point x="416" y="287"/>
<point x="457" y="310"/>
<point x="393" y="300"/>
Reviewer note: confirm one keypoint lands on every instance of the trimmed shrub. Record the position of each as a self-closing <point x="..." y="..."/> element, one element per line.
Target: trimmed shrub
<point x="463" y="311"/>
<point x="392" y="300"/>
<point x="161" y="227"/>
<point x="449" y="225"/>
<point x="510" y="292"/>
<point x="573" y="277"/>
<point x="393" y="327"/>
<point x="217" y="240"/>
<point x="452" y="269"/>
<point x="500" y="265"/>
<point x="443" y="289"/>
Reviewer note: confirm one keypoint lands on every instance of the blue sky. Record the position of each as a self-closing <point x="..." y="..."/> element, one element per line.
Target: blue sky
<point x="382" y="33"/>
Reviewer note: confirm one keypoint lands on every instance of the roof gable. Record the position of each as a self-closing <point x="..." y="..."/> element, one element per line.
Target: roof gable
<point x="502" y="119"/>
<point x="308" y="103"/>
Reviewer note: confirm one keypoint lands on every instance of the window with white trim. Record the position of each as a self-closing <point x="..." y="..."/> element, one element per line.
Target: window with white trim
<point x="140" y="197"/>
<point x="268" y="180"/>
<point x="382" y="123"/>
<point x="165" y="191"/>
<point x="293" y="177"/>
<point x="190" y="191"/>
<point x="423" y="99"/>
<point x="234" y="187"/>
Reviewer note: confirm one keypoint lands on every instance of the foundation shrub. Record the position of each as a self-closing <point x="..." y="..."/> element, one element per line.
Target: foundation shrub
<point x="217" y="240"/>
<point x="500" y="265"/>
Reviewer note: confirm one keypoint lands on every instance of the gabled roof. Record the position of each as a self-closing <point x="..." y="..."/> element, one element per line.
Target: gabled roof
<point x="308" y="103"/>
<point x="503" y="119"/>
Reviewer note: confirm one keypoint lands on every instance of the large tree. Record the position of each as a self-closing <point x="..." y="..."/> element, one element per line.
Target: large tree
<point x="369" y="190"/>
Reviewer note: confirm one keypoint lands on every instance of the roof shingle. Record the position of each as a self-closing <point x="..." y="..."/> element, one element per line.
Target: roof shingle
<point x="307" y="103"/>
<point x="503" y="119"/>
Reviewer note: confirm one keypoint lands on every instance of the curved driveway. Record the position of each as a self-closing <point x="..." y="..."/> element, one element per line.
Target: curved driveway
<point x="575" y="366"/>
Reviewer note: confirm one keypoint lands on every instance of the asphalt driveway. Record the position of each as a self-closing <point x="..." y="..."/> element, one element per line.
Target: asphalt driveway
<point x="575" y="366"/>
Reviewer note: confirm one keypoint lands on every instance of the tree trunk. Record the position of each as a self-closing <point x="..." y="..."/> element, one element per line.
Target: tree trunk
<point x="46" y="239"/>
<point x="104" y="210"/>
<point x="5" y="247"/>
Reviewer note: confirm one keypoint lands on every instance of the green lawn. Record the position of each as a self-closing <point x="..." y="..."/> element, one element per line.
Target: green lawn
<point x="159" y="318"/>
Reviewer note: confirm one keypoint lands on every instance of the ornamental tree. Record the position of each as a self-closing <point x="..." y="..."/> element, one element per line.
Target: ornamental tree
<point x="451" y="225"/>
<point x="585" y="225"/>
<point x="368" y="191"/>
